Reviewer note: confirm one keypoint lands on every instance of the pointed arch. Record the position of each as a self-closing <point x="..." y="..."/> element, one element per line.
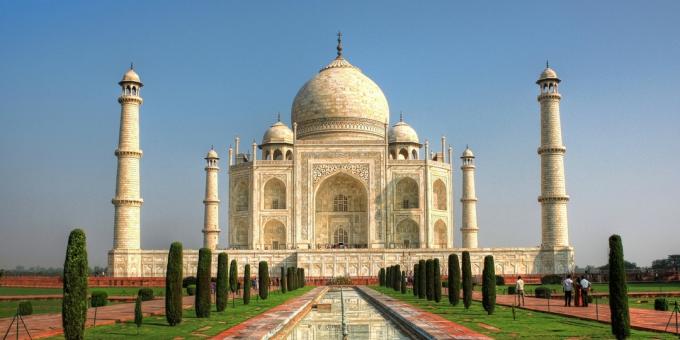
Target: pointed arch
<point x="403" y="154"/>
<point x="341" y="206"/>
<point x="414" y="154"/>
<point x="440" y="234"/>
<point x="274" y="235"/>
<point x="439" y="197"/>
<point x="241" y="196"/>
<point x="407" y="194"/>
<point x="274" y="194"/>
<point x="407" y="234"/>
<point x="278" y="155"/>
<point x="289" y="155"/>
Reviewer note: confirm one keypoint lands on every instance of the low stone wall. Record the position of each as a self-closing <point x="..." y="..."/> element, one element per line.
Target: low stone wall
<point x="57" y="282"/>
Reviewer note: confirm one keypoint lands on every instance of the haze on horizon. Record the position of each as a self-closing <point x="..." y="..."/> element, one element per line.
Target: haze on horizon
<point x="220" y="69"/>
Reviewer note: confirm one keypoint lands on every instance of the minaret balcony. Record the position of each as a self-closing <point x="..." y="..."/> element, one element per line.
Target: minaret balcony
<point x="553" y="199"/>
<point x="125" y="99"/>
<point x="128" y="153"/>
<point x="552" y="149"/>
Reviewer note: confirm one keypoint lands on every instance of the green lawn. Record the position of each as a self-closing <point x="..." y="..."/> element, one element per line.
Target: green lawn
<point x="192" y="327"/>
<point x="603" y="287"/>
<point x="528" y="324"/>
<point x="8" y="308"/>
<point x="112" y="291"/>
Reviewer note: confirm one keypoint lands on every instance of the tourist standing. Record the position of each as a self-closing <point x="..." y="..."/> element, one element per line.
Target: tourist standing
<point x="577" y="293"/>
<point x="519" y="287"/>
<point x="568" y="287"/>
<point x="585" y="289"/>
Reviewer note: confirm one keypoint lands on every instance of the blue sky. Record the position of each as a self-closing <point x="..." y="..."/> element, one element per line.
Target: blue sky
<point x="213" y="70"/>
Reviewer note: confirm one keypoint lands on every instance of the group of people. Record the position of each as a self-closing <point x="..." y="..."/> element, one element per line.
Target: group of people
<point x="577" y="290"/>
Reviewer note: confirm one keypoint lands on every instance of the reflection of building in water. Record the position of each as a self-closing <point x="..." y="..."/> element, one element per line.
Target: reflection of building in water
<point x="363" y="320"/>
<point x="341" y="191"/>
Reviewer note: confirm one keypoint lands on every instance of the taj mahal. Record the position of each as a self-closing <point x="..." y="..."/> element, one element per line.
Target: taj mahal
<point x="341" y="191"/>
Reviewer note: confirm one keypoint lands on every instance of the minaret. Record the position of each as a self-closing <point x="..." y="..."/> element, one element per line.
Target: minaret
<point x="553" y="199"/>
<point x="211" y="223"/>
<point x="469" y="227"/>
<point x="127" y="201"/>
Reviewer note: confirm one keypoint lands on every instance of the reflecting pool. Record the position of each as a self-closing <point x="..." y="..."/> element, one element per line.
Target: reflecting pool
<point x="362" y="320"/>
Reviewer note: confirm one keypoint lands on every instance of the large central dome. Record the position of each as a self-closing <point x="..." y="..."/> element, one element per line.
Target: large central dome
<point x="340" y="102"/>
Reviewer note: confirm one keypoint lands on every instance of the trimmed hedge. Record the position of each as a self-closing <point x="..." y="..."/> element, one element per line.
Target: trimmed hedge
<point x="415" y="279"/>
<point x="512" y="290"/>
<point x="233" y="276"/>
<point x="403" y="282"/>
<point x="99" y="298"/>
<point x="397" y="278"/>
<point x="138" y="312"/>
<point x="551" y="280"/>
<point x="542" y="292"/>
<point x="25" y="308"/>
<point x="191" y="290"/>
<point x="500" y="280"/>
<point x="222" y="284"/>
<point x="422" y="280"/>
<point x="618" y="292"/>
<point x="146" y="294"/>
<point x="381" y="277"/>
<point x="429" y="279"/>
<point x="74" y="303"/>
<point x="437" y="284"/>
<point x="174" y="284"/>
<point x="467" y="280"/>
<point x="188" y="281"/>
<point x="489" y="285"/>
<point x="246" y="284"/>
<point x="283" y="281"/>
<point x="263" y="279"/>
<point x="454" y="280"/>
<point x="661" y="304"/>
<point x="202" y="301"/>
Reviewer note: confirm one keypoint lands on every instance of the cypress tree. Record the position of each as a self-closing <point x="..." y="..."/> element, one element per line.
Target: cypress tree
<point x="388" y="279"/>
<point x="489" y="285"/>
<point x="454" y="280"/>
<point x="467" y="280"/>
<point x="74" y="303"/>
<point x="299" y="278"/>
<point x="415" y="280"/>
<point x="138" y="312"/>
<point x="429" y="279"/>
<point x="289" y="279"/>
<point x="437" y="281"/>
<point x="222" y="286"/>
<point x="202" y="298"/>
<point x="397" y="278"/>
<point x="173" y="284"/>
<point x="618" y="292"/>
<point x="403" y="282"/>
<point x="422" y="281"/>
<point x="233" y="280"/>
<point x="302" y="276"/>
<point x="246" y="284"/>
<point x="283" y="281"/>
<point x="381" y="277"/>
<point x="263" y="279"/>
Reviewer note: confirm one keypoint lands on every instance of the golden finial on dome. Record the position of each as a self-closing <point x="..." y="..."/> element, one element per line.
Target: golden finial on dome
<point x="401" y="116"/>
<point x="339" y="48"/>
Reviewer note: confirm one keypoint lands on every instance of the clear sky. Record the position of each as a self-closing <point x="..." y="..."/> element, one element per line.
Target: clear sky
<point x="213" y="70"/>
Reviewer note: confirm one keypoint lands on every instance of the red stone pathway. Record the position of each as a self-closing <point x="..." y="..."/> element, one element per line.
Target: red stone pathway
<point x="432" y="325"/>
<point x="46" y="325"/>
<point x="642" y="319"/>
<point x="274" y="320"/>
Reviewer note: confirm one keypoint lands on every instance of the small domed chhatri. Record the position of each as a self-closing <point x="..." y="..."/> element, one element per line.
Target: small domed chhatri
<point x="212" y="154"/>
<point x="468" y="152"/>
<point x="402" y="133"/>
<point x="278" y="133"/>
<point x="548" y="74"/>
<point x="131" y="76"/>
<point x="340" y="103"/>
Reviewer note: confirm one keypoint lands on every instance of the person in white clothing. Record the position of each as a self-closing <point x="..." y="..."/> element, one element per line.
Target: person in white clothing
<point x="585" y="289"/>
<point x="568" y="286"/>
<point x="519" y="287"/>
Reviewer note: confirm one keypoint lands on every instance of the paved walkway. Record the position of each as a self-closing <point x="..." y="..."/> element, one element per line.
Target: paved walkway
<point x="267" y="324"/>
<point x="642" y="319"/>
<point x="428" y="325"/>
<point x="46" y="325"/>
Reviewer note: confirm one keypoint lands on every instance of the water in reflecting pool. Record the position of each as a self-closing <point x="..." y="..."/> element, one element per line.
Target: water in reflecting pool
<point x="362" y="320"/>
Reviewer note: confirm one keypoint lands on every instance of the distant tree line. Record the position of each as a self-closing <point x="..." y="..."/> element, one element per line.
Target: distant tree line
<point x="44" y="271"/>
